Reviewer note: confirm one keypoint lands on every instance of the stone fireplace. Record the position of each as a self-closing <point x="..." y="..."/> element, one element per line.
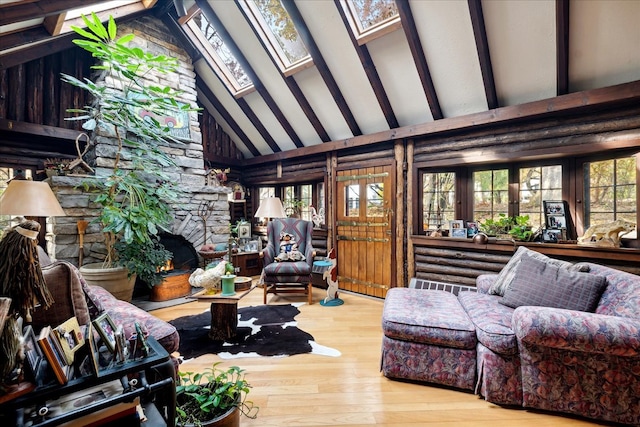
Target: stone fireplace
<point x="189" y="172"/>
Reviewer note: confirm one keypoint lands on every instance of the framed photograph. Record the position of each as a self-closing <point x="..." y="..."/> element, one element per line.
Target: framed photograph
<point x="551" y="236"/>
<point x="556" y="221"/>
<point x="32" y="352"/>
<point x="455" y="225"/>
<point x="56" y="360"/>
<point x="459" y="232"/>
<point x="107" y="331"/>
<point x="472" y="228"/>
<point x="244" y="231"/>
<point x="70" y="337"/>
<point x="554" y="207"/>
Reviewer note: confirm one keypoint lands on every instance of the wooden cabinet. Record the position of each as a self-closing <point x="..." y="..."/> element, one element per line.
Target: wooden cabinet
<point x="247" y="263"/>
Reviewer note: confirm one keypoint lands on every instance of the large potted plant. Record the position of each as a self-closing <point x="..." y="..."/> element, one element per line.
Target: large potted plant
<point x="216" y="397"/>
<point x="134" y="193"/>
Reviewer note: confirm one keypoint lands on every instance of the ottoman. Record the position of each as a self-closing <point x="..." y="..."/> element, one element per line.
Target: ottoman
<point x="428" y="337"/>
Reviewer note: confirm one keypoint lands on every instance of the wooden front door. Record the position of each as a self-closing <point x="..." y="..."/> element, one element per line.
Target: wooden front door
<point x="364" y="233"/>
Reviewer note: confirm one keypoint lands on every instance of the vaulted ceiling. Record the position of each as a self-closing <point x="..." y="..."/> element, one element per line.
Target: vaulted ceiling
<point x="447" y="59"/>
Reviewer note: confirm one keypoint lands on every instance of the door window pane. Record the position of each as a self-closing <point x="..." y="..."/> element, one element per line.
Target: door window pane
<point x="375" y="199"/>
<point x="352" y="196"/>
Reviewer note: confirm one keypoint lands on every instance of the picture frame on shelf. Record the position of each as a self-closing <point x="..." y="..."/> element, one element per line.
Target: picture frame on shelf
<point x="459" y="232"/>
<point x="107" y="331"/>
<point x="33" y="354"/>
<point x="70" y="337"/>
<point x="551" y="235"/>
<point x="472" y="228"/>
<point x="456" y="224"/>
<point x="46" y="341"/>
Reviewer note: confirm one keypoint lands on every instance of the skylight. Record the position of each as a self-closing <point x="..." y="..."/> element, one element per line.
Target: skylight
<point x="371" y="19"/>
<point x="279" y="34"/>
<point x="219" y="55"/>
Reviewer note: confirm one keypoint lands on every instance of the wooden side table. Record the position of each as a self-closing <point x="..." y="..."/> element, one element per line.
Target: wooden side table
<point x="224" y="312"/>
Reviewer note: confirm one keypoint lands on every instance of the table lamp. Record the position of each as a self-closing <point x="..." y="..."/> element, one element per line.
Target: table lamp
<point x="29" y="199"/>
<point x="271" y="207"/>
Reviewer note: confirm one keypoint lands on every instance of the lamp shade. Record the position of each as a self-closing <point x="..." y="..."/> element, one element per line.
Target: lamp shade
<point x="29" y="198"/>
<point x="271" y="207"/>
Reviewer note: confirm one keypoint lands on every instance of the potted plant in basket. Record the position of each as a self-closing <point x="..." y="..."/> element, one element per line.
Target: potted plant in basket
<point x="135" y="194"/>
<point x="216" y="397"/>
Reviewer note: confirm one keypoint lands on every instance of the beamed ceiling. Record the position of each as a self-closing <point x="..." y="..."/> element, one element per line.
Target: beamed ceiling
<point x="447" y="60"/>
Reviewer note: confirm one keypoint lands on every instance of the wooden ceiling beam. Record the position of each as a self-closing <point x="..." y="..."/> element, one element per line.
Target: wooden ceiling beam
<point x="370" y="71"/>
<point x="411" y="33"/>
<point x="619" y="95"/>
<point x="41" y="9"/>
<point x="257" y="83"/>
<point x="562" y="47"/>
<point x="484" y="56"/>
<point x="291" y="83"/>
<point x="321" y="65"/>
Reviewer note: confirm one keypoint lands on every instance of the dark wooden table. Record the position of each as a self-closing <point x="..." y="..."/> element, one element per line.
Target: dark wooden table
<point x="224" y="312"/>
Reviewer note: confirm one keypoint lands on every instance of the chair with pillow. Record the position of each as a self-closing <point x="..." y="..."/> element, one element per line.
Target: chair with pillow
<point x="280" y="276"/>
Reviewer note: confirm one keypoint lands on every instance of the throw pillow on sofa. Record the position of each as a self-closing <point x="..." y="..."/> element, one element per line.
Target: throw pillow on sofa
<point x="543" y="284"/>
<point x="506" y="275"/>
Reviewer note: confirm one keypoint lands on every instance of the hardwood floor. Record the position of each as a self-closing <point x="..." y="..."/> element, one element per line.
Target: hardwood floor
<point x="309" y="390"/>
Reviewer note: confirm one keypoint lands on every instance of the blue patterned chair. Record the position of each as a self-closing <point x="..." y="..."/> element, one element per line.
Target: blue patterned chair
<point x="288" y="276"/>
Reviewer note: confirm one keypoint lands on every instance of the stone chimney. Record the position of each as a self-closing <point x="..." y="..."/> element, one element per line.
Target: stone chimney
<point x="197" y="197"/>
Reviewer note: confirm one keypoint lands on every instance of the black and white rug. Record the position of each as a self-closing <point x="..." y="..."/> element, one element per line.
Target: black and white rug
<point x="263" y="331"/>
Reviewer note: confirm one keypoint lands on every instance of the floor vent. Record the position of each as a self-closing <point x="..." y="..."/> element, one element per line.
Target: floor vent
<point x="439" y="286"/>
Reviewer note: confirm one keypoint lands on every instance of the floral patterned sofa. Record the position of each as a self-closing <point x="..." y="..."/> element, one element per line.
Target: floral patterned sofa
<point x="554" y="337"/>
<point x="74" y="297"/>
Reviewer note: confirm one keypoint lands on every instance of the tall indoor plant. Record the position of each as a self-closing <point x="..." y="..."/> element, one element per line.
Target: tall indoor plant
<point x="135" y="194"/>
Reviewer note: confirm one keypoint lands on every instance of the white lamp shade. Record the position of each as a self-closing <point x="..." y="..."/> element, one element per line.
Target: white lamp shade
<point x="29" y="198"/>
<point x="271" y="207"/>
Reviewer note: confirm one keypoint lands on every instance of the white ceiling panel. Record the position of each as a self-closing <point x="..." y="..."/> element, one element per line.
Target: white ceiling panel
<point x="392" y="58"/>
<point x="604" y="43"/>
<point x="322" y="103"/>
<point x="522" y="41"/>
<point x="269" y="121"/>
<point x="332" y="39"/>
<point x="267" y="72"/>
<point x="229" y="103"/>
<point x="451" y="55"/>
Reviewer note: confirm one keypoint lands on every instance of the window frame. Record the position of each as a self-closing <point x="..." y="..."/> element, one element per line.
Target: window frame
<point x="362" y="35"/>
<point x="287" y="68"/>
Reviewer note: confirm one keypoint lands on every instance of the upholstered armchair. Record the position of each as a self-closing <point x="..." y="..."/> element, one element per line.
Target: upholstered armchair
<point x="290" y="276"/>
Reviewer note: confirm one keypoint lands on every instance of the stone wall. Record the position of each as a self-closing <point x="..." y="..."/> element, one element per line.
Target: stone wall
<point x="188" y="173"/>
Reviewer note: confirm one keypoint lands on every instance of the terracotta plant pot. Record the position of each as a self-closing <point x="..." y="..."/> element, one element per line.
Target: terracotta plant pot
<point x="112" y="279"/>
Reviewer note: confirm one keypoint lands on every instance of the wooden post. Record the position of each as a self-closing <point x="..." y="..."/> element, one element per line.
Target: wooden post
<point x="224" y="320"/>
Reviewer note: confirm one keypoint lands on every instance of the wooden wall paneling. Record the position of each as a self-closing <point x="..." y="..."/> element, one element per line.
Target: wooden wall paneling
<point x="4" y="92"/>
<point x="412" y="203"/>
<point x="399" y="214"/>
<point x="34" y="99"/>
<point x="455" y="265"/>
<point x="66" y="90"/>
<point x="16" y="107"/>
<point x="51" y="91"/>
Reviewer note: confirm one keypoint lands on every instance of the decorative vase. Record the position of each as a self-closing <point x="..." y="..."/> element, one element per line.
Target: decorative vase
<point x="228" y="285"/>
<point x="113" y="279"/>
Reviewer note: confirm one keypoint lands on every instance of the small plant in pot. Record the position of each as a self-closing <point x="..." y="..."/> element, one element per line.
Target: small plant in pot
<point x="213" y="397"/>
<point x="134" y="191"/>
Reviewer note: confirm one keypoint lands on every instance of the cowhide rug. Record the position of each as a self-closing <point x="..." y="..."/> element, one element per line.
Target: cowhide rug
<point x="266" y="330"/>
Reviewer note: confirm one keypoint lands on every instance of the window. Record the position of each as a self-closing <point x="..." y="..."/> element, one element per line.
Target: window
<point x="304" y="200"/>
<point x="370" y="19"/>
<point x="218" y="55"/>
<point x="438" y="199"/>
<point x="279" y="34"/>
<point x="610" y="190"/>
<point x="490" y="194"/>
<point x="536" y="185"/>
